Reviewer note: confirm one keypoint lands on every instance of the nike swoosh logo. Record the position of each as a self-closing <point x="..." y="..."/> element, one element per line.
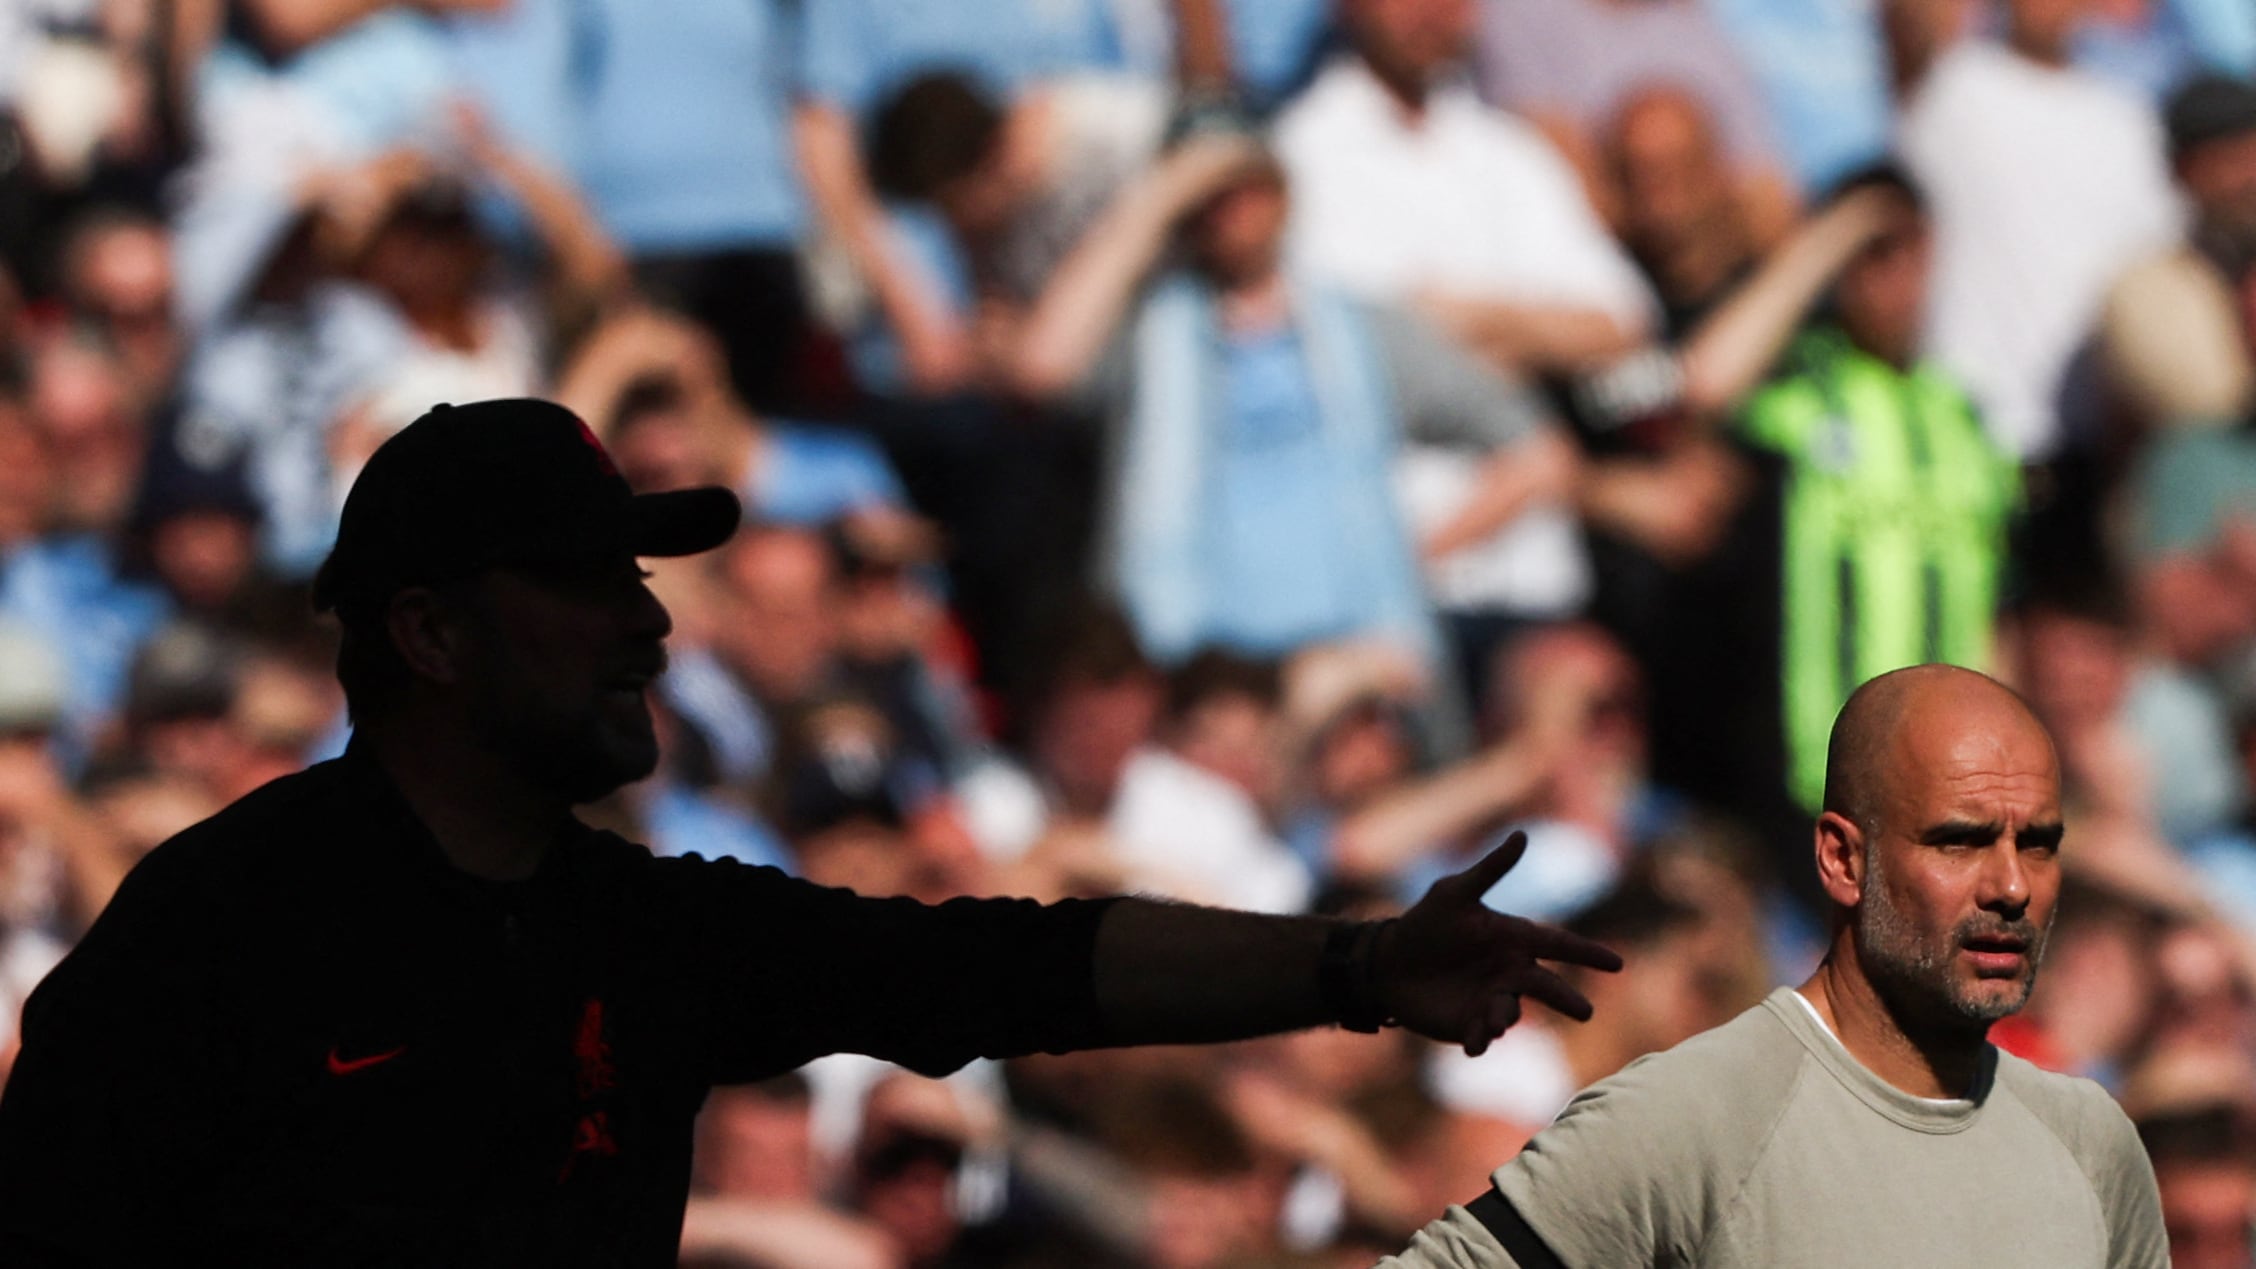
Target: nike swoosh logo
<point x="346" y="1066"/>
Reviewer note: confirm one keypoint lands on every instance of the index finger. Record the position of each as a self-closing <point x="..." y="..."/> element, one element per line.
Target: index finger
<point x="1491" y="868"/>
<point x="1550" y="943"/>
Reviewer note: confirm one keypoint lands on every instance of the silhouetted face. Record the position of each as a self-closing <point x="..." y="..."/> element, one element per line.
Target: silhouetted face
<point x="1962" y="861"/>
<point x="1882" y="295"/>
<point x="559" y="669"/>
<point x="1414" y="40"/>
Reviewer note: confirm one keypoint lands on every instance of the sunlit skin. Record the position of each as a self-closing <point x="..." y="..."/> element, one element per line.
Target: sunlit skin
<point x="1882" y="296"/>
<point x="1940" y="852"/>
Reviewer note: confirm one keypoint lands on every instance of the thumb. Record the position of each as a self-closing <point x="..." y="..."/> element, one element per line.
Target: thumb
<point x="1494" y="865"/>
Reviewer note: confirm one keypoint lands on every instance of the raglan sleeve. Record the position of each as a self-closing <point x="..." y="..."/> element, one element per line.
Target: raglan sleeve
<point x="2123" y="1178"/>
<point x="1630" y="1173"/>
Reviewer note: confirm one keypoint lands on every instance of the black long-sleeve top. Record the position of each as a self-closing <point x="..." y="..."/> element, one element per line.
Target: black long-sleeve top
<point x="299" y="1035"/>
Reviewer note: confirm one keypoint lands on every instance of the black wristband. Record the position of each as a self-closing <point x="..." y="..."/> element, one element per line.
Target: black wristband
<point x="1343" y="976"/>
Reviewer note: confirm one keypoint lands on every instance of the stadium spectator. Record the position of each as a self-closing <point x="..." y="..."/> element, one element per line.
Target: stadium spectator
<point x="1183" y="822"/>
<point x="1569" y="66"/>
<point x="2205" y="1167"/>
<point x="117" y="278"/>
<point x="1823" y="72"/>
<point x="859" y="52"/>
<point x="1564" y="762"/>
<point x="675" y="119"/>
<point x="2142" y="742"/>
<point x="1692" y="240"/>
<point x="653" y="387"/>
<point x="757" y="1192"/>
<point x="1855" y="419"/>
<point x="2008" y="140"/>
<point x="1280" y="403"/>
<point x="1409" y="190"/>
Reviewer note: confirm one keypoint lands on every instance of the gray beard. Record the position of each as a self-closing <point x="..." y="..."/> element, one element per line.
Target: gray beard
<point x="1915" y="979"/>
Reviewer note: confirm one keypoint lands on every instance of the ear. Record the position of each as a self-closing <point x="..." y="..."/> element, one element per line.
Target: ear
<point x="428" y="633"/>
<point x="1840" y="858"/>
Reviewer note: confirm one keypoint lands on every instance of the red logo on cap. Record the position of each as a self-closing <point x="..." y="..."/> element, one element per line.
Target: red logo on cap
<point x="602" y="458"/>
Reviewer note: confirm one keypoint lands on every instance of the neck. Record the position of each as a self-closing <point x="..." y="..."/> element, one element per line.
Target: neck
<point x="1919" y="1062"/>
<point x="489" y="821"/>
<point x="1256" y="304"/>
<point x="1408" y="87"/>
<point x="1898" y="353"/>
<point x="1702" y="265"/>
<point x="2044" y="50"/>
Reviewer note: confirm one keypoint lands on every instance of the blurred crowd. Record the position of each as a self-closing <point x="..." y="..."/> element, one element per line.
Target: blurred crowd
<point x="1252" y="451"/>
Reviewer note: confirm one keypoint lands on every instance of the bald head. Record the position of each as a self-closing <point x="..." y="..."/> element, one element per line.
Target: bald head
<point x="1894" y="725"/>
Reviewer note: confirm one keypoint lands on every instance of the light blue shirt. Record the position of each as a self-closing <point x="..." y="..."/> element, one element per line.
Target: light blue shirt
<point x="1823" y="69"/>
<point x="674" y="115"/>
<point x="67" y="589"/>
<point x="813" y="475"/>
<point x="379" y="82"/>
<point x="2174" y="41"/>
<point x="858" y="51"/>
<point x="1274" y="45"/>
<point x="1275" y="532"/>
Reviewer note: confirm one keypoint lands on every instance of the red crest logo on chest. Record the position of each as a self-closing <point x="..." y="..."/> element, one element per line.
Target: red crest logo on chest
<point x="593" y="1075"/>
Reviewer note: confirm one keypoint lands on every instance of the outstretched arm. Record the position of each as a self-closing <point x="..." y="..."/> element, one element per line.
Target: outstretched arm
<point x="1448" y="969"/>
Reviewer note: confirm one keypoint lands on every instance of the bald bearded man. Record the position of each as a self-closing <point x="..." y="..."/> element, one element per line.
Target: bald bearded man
<point x="1864" y="1118"/>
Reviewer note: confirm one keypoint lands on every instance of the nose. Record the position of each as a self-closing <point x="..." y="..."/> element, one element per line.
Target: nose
<point x="2004" y="881"/>
<point x="649" y="618"/>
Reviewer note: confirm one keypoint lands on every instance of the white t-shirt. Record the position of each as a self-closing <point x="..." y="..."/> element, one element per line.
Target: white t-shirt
<point x="2045" y="184"/>
<point x="1523" y="1078"/>
<point x="1461" y="200"/>
<point x="1186" y="833"/>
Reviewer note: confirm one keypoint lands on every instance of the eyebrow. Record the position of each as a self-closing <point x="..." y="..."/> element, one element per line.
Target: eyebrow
<point x="1983" y="832"/>
<point x="1962" y="833"/>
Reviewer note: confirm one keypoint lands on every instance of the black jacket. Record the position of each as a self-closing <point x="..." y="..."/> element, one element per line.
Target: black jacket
<point x="298" y="1035"/>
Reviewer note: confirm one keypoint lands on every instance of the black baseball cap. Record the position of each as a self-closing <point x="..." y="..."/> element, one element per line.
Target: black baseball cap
<point x="493" y="483"/>
<point x="2209" y="108"/>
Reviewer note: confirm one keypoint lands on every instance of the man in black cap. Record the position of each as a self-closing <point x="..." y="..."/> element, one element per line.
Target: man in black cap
<point x="403" y="1008"/>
